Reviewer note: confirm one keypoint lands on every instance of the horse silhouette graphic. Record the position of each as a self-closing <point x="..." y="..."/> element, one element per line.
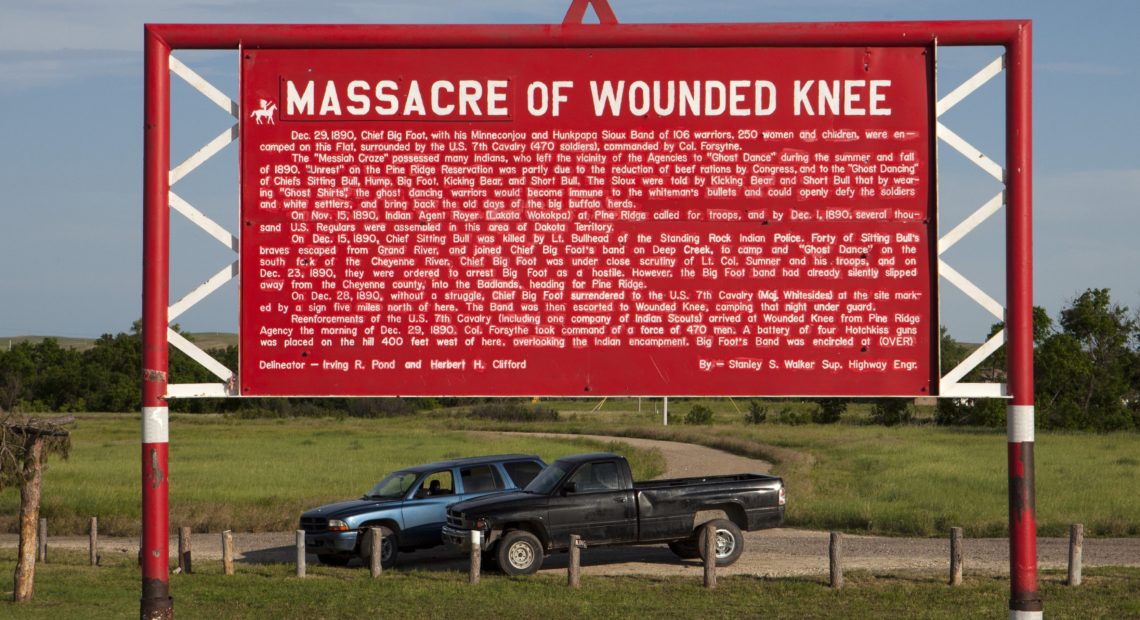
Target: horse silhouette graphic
<point x="265" y="113"/>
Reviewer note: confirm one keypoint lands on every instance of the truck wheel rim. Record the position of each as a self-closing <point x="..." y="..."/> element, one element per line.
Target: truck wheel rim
<point x="386" y="550"/>
<point x="725" y="543"/>
<point x="521" y="555"/>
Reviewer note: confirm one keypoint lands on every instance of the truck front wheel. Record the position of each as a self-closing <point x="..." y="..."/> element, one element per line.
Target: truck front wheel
<point x="389" y="547"/>
<point x="520" y="553"/>
<point x="729" y="541"/>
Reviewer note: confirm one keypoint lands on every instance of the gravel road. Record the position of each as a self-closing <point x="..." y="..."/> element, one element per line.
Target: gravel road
<point x="775" y="553"/>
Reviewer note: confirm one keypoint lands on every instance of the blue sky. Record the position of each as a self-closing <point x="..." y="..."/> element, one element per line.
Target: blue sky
<point x="71" y="144"/>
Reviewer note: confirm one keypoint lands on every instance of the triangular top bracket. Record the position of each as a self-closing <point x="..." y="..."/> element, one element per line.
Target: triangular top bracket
<point x="577" y="12"/>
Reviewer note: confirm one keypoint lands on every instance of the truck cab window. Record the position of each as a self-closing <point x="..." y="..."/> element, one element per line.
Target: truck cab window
<point x="438" y="483"/>
<point x="480" y="479"/>
<point x="522" y="472"/>
<point x="597" y="477"/>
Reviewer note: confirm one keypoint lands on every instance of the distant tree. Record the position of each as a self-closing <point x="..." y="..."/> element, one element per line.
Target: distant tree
<point x="1085" y="374"/>
<point x="17" y="367"/>
<point x="828" y="410"/>
<point x="988" y="412"/>
<point x="1134" y="387"/>
<point x="890" y="411"/>
<point x="113" y="373"/>
<point x="699" y="414"/>
<point x="951" y="352"/>
<point x="60" y="371"/>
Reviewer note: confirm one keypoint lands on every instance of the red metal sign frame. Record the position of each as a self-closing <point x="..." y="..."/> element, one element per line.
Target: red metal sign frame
<point x="1014" y="36"/>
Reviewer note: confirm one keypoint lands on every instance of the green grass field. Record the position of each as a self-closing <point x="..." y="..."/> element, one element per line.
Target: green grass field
<point x="259" y="474"/>
<point x="912" y="480"/>
<point x="255" y="475"/>
<point x="907" y="480"/>
<point x="67" y="588"/>
<point x="922" y="481"/>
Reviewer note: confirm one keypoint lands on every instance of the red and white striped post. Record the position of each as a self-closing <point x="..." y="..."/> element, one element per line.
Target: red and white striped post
<point x="156" y="602"/>
<point x="1025" y="600"/>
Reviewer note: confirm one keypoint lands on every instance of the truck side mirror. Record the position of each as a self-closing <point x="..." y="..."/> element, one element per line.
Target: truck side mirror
<point x="569" y="487"/>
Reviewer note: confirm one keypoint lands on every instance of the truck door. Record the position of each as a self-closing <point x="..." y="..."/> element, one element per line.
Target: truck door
<point x="425" y="510"/>
<point x="596" y="503"/>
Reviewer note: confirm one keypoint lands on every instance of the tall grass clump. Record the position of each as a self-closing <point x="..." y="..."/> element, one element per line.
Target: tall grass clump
<point x="513" y="412"/>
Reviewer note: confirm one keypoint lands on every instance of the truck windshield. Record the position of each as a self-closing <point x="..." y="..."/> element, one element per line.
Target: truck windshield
<point x="547" y="480"/>
<point x="393" y="485"/>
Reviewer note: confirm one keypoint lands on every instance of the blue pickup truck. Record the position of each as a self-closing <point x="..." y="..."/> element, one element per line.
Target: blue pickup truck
<point x="410" y="506"/>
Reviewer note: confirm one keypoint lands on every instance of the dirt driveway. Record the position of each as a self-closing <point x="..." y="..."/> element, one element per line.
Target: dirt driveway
<point x="775" y="553"/>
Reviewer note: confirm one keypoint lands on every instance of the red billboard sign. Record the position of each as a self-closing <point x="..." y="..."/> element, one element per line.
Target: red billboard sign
<point x="601" y="221"/>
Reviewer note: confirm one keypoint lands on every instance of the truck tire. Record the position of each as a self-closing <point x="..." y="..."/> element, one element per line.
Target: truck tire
<point x="686" y="548"/>
<point x="389" y="548"/>
<point x="520" y="553"/>
<point x="729" y="541"/>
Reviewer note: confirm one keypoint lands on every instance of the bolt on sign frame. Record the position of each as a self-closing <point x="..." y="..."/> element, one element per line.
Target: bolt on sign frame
<point x="1014" y="36"/>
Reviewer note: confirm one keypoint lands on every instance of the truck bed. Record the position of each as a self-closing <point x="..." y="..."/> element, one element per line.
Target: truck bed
<point x="666" y="508"/>
<point x="646" y="485"/>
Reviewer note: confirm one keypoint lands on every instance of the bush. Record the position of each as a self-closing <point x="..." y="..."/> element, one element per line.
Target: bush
<point x="828" y="410"/>
<point x="890" y="411"/>
<point x="970" y="412"/>
<point x="788" y="416"/>
<point x="699" y="414"/>
<point x="513" y="412"/>
<point x="380" y="407"/>
<point x="757" y="413"/>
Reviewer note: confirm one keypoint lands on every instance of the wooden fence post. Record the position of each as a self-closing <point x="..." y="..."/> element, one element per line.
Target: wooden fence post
<point x="835" y="559"/>
<point x="300" y="553"/>
<point x="375" y="552"/>
<point x="228" y="552"/>
<point x="184" y="562"/>
<point x="41" y="538"/>
<point x="93" y="541"/>
<point x="1076" y="550"/>
<point x="955" y="556"/>
<point x="476" y="556"/>
<point x="574" y="569"/>
<point x="710" y="555"/>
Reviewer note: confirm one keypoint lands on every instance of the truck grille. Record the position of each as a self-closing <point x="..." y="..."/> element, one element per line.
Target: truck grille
<point x="454" y="519"/>
<point x="314" y="524"/>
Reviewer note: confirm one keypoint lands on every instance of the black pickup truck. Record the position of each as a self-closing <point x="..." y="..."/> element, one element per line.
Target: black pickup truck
<point x="595" y="497"/>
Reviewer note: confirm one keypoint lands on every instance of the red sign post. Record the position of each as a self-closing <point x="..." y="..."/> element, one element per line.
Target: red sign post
<point x="572" y="210"/>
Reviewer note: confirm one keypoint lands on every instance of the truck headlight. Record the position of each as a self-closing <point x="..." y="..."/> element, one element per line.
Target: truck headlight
<point x="336" y="525"/>
<point x="482" y="524"/>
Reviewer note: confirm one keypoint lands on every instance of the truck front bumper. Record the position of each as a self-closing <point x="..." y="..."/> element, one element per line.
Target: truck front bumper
<point x="460" y="539"/>
<point x="331" y="543"/>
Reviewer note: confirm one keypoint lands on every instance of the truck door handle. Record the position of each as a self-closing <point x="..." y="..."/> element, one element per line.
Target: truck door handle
<point x="623" y="499"/>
